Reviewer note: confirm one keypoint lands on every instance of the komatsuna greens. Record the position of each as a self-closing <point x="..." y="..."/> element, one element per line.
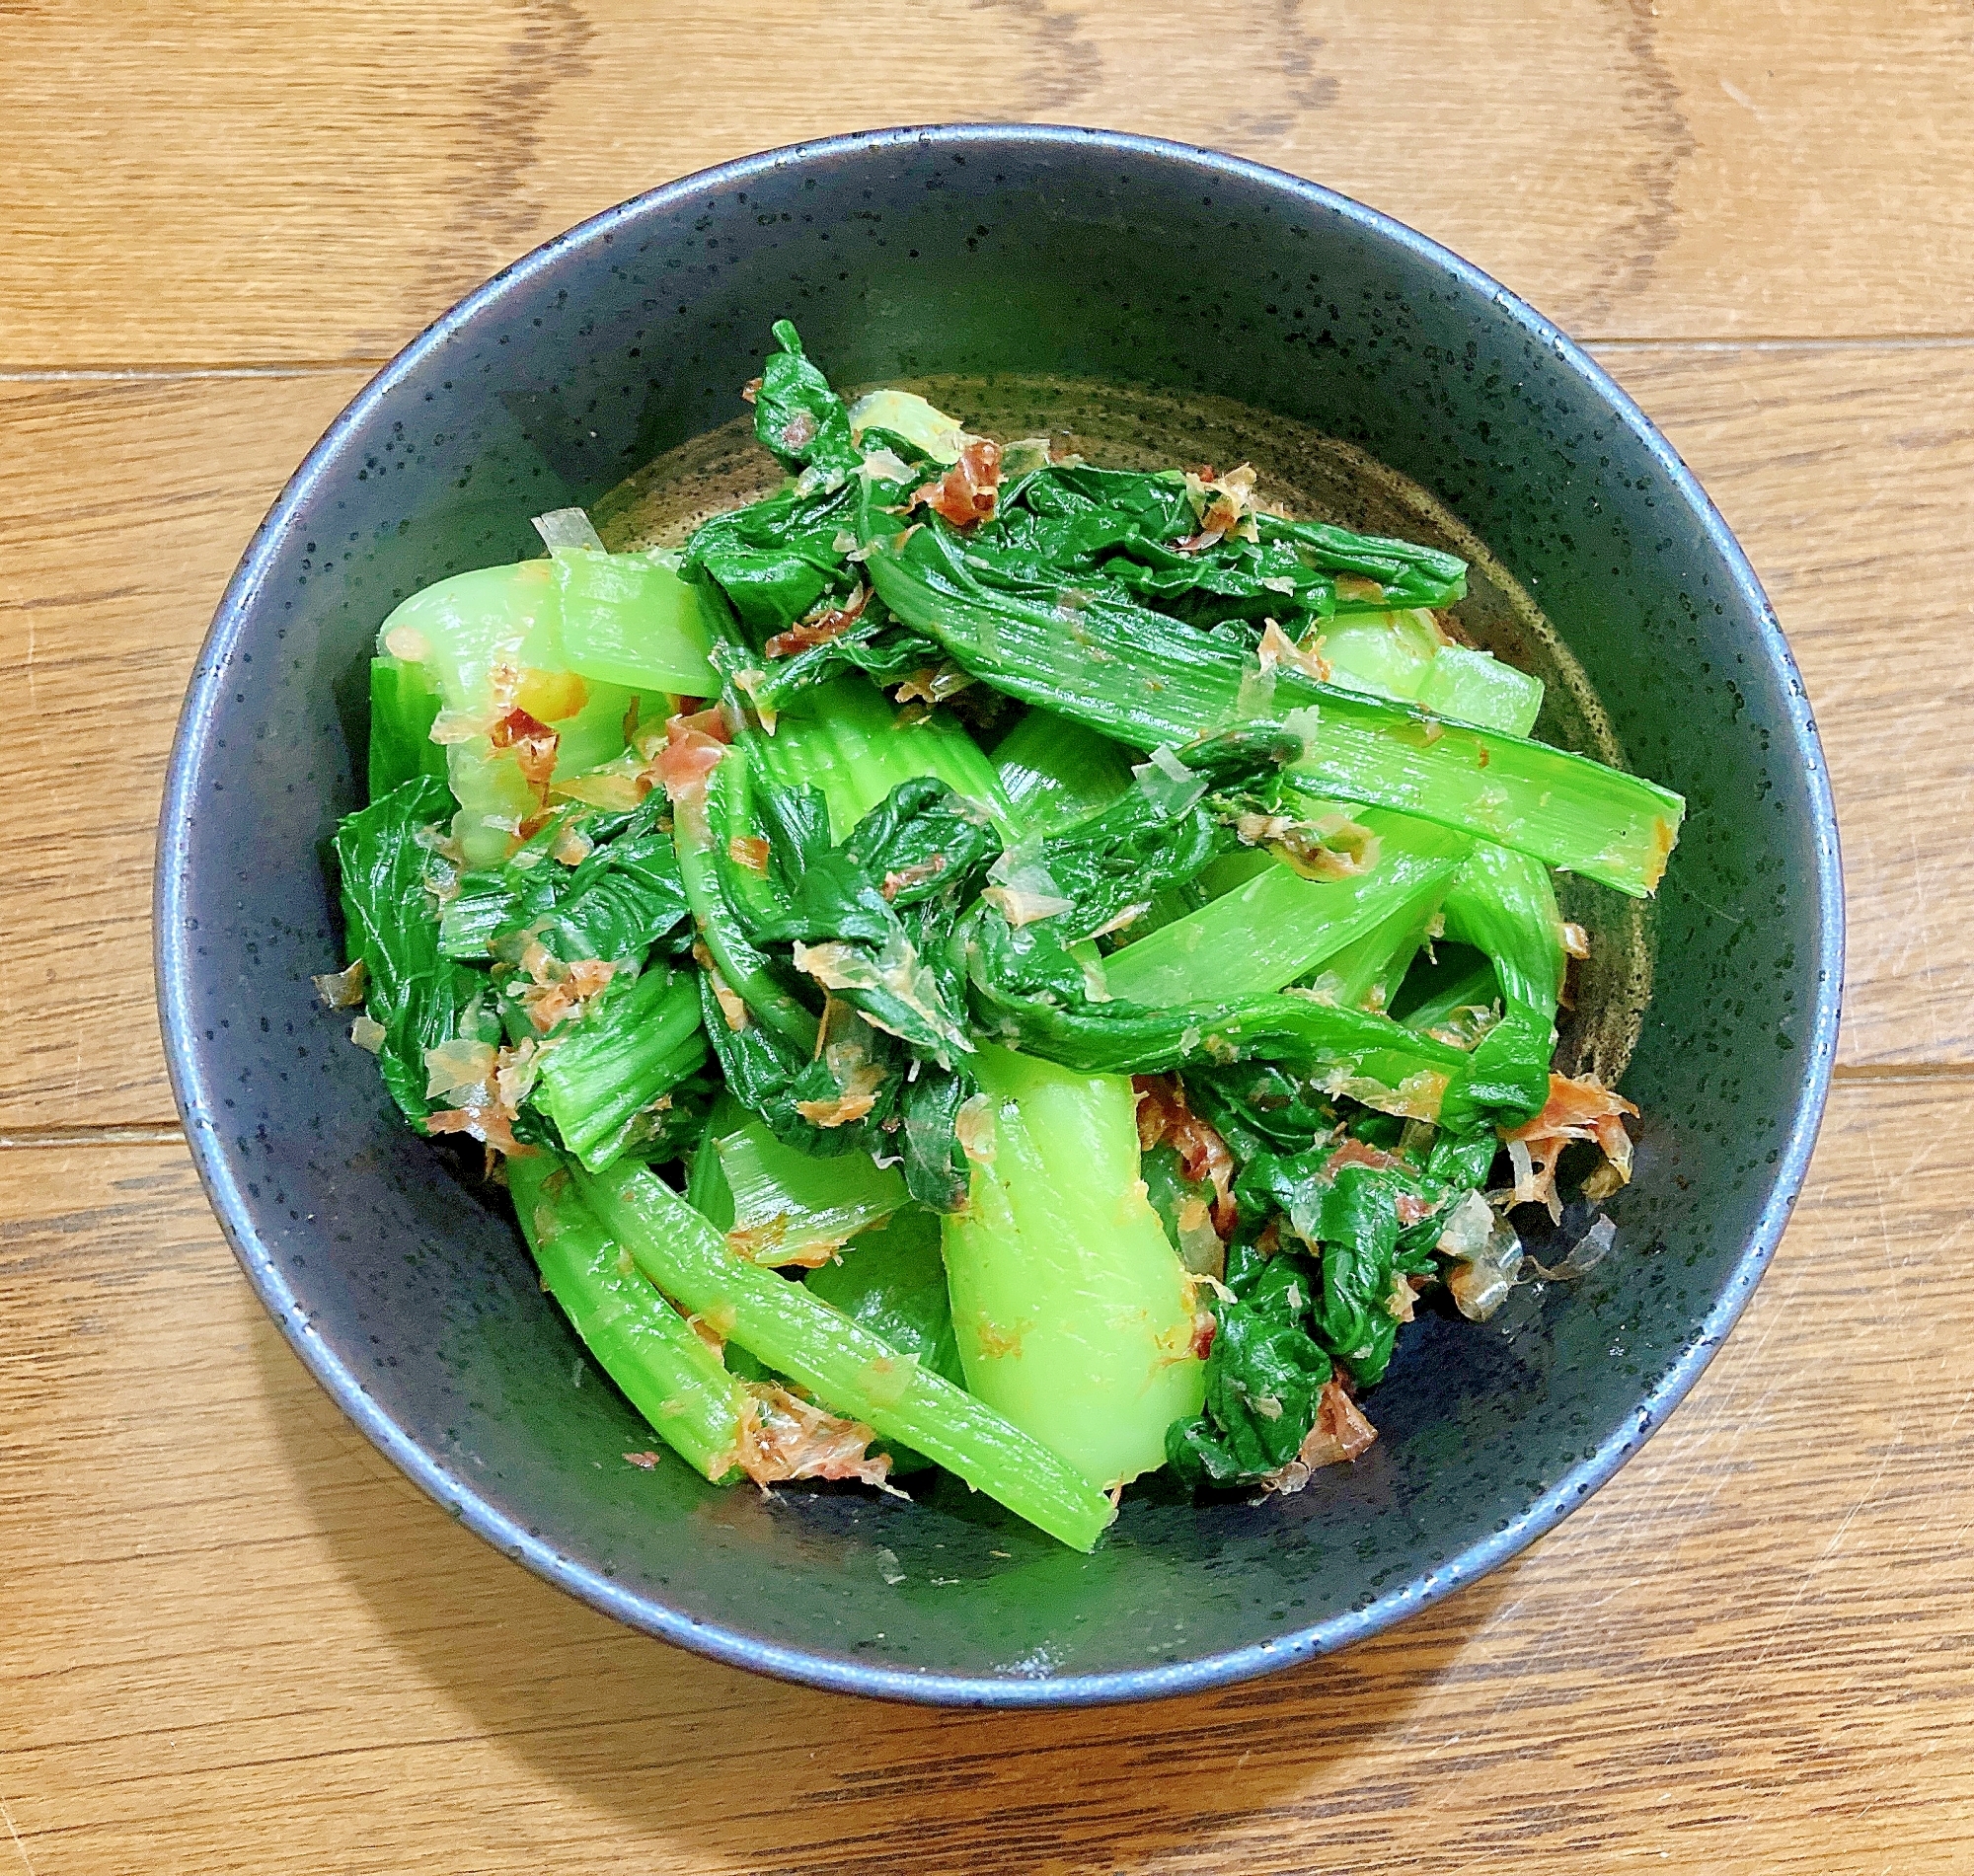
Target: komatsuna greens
<point x="983" y="961"/>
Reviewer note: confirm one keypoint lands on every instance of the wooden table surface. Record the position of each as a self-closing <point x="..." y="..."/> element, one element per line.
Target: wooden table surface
<point x="233" y="1640"/>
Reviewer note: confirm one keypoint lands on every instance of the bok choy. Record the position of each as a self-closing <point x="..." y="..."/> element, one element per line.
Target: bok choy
<point x="945" y="960"/>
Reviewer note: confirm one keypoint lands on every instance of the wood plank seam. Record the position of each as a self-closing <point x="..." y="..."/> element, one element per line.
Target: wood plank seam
<point x="165" y="1133"/>
<point x="193" y="370"/>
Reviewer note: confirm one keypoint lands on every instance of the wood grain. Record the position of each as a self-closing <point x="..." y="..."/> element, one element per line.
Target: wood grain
<point x="233" y="1640"/>
<point x="279" y="181"/>
<point x="1847" y="474"/>
<point x="125" y="503"/>
<point x="123" y="508"/>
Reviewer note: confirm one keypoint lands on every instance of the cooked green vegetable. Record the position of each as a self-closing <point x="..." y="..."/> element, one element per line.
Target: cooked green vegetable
<point x="791" y="1208"/>
<point x="1502" y="904"/>
<point x="798" y="415"/>
<point x="1027" y="991"/>
<point x="621" y="896"/>
<point x="1055" y="772"/>
<point x="417" y="998"/>
<point x="844" y="1365"/>
<point x="644" y="1345"/>
<point x="636" y="1041"/>
<point x="1099" y="874"/>
<point x="873" y="1103"/>
<point x="515" y="715"/>
<point x="1453" y="992"/>
<point x="403" y="701"/>
<point x="1279" y="926"/>
<point x="1264" y="1380"/>
<point x="629" y="619"/>
<point x="1405" y="656"/>
<point x="870" y="918"/>
<point x="1073" y="1312"/>
<point x="1366" y="972"/>
<point x="892" y="1281"/>
<point x="846" y="743"/>
<point x="1146" y="680"/>
<point x="731" y="953"/>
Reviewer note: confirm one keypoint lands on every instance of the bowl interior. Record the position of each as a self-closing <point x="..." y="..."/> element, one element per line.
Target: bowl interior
<point x="1182" y="280"/>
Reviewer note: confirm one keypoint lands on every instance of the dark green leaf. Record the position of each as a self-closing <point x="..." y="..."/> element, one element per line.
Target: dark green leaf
<point x="936" y="1168"/>
<point x="623" y="897"/>
<point x="421" y="997"/>
<point x="1264" y="1376"/>
<point x="797" y="415"/>
<point x="634" y="1043"/>
<point x="771" y="1079"/>
<point x="1260" y="1108"/>
<point x="882" y="903"/>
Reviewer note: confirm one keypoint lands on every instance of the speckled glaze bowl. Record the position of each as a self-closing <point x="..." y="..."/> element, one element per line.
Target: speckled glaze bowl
<point x="977" y="250"/>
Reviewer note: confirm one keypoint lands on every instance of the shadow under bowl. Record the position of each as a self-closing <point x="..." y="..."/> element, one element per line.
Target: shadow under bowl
<point x="984" y="250"/>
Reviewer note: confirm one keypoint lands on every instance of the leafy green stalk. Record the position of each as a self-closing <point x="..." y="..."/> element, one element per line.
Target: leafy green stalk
<point x="1073" y="1314"/>
<point x="1279" y="926"/>
<point x="661" y="1367"/>
<point x="1198" y="549"/>
<point x="1365" y="974"/>
<point x="1503" y="905"/>
<point x="638" y="1039"/>
<point x="629" y="619"/>
<point x="1404" y="656"/>
<point x="706" y="1187"/>
<point x="846" y="739"/>
<point x="403" y="701"/>
<point x="490" y="641"/>
<point x="763" y="839"/>
<point x="1148" y="680"/>
<point x="1447" y="995"/>
<point x="1055" y="772"/>
<point x="419" y="997"/>
<point x="848" y="1368"/>
<point x="741" y="966"/>
<point x="1031" y="993"/>
<point x="710" y="1195"/>
<point x="892" y="1281"/>
<point x="790" y="1207"/>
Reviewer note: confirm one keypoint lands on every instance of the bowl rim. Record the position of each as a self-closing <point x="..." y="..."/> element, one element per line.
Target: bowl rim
<point x="175" y="965"/>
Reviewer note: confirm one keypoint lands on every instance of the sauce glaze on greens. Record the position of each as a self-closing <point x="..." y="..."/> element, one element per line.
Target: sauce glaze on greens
<point x="1095" y="923"/>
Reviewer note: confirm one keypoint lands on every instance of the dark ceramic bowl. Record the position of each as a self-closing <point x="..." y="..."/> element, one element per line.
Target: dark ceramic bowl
<point x="985" y="249"/>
